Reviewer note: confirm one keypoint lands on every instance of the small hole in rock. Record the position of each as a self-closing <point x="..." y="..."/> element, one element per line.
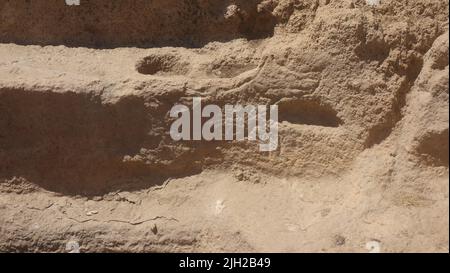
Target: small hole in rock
<point x="433" y="148"/>
<point x="162" y="65"/>
<point x="308" y="112"/>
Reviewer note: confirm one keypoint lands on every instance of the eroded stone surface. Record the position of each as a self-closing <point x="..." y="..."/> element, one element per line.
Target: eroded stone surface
<point x="363" y="151"/>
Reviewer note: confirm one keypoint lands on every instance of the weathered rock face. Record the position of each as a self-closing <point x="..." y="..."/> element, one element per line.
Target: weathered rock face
<point x="86" y="155"/>
<point x="140" y="23"/>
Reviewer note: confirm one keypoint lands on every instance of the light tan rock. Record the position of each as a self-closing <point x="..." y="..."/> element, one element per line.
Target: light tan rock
<point x="85" y="95"/>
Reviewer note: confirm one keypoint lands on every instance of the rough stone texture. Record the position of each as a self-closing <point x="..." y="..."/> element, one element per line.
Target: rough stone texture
<point x="85" y="154"/>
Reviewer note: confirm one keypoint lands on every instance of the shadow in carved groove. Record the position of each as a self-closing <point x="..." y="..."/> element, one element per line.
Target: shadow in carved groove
<point x="133" y="23"/>
<point x="72" y="143"/>
<point x="308" y="112"/>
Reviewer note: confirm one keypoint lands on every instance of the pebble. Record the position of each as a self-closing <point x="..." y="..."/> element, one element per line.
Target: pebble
<point x="373" y="246"/>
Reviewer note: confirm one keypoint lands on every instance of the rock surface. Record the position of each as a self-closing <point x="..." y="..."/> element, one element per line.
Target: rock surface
<point x="87" y="163"/>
